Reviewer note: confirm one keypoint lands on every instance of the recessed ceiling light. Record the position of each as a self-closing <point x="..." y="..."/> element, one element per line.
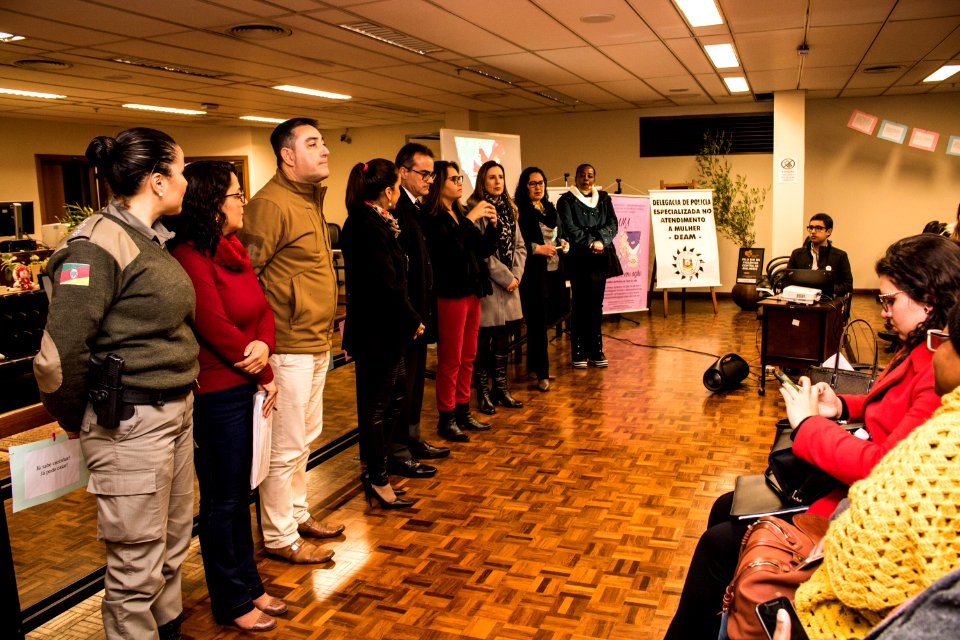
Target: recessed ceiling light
<point x="700" y="13"/>
<point x="312" y="92"/>
<point x="942" y="73"/>
<point x="262" y="119"/>
<point x="597" y="18"/>
<point x="150" y="107"/>
<point x="31" y="94"/>
<point x="737" y="84"/>
<point x="9" y="37"/>
<point x="722" y="55"/>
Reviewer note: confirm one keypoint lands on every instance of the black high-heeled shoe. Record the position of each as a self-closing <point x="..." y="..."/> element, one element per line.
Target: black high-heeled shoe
<point x="370" y="493"/>
<point x="397" y="491"/>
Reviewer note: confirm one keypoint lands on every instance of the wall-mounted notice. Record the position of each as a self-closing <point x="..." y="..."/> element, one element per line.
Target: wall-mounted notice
<point x="685" y="237"/>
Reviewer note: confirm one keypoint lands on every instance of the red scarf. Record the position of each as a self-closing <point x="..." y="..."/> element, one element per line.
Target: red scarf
<point x="231" y="254"/>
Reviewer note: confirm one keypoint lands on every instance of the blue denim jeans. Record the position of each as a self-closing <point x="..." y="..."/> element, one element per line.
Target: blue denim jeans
<point x="223" y="432"/>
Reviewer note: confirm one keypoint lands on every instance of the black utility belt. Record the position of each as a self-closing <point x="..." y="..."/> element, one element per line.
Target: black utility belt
<point x="130" y="395"/>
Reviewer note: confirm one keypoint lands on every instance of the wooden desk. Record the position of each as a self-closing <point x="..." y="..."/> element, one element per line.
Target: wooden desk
<point x="796" y="335"/>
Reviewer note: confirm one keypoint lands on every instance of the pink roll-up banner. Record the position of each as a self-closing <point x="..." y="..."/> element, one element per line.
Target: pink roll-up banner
<point x="629" y="292"/>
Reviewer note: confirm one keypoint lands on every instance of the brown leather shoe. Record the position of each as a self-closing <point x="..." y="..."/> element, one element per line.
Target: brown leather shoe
<point x="273" y="607"/>
<point x="301" y="552"/>
<point x="315" y="529"/>
<point x="263" y="623"/>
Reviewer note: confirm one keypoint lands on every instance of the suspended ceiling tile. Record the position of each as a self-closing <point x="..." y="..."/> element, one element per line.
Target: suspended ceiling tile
<point x="663" y="17"/>
<point x="53" y="31"/>
<point x="711" y="83"/>
<point x="949" y="48"/>
<point x="774" y="80"/>
<point x="821" y="94"/>
<point x="825" y="13"/>
<point x="587" y="63"/>
<point x="441" y="77"/>
<point x="330" y="42"/>
<point x="909" y="40"/>
<point x="533" y="68"/>
<point x="905" y="91"/>
<point x="96" y="17"/>
<point x="397" y="82"/>
<point x="833" y="77"/>
<point x="690" y="54"/>
<point x="630" y="90"/>
<point x="293" y="55"/>
<point x="926" y="9"/>
<point x="588" y="93"/>
<point x="626" y="26"/>
<point x="519" y="21"/>
<point x="666" y="84"/>
<point x="645" y="60"/>
<point x="745" y="16"/>
<point x="832" y="46"/>
<point x="763" y="51"/>
<point x="433" y="24"/>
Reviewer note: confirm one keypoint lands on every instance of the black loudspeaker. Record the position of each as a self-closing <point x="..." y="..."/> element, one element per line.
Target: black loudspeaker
<point x="726" y="373"/>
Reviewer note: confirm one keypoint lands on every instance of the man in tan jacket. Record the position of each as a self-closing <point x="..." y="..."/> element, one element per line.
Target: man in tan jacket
<point x="286" y="236"/>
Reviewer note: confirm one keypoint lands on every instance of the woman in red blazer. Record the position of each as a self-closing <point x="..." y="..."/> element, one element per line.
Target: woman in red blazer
<point x="919" y="283"/>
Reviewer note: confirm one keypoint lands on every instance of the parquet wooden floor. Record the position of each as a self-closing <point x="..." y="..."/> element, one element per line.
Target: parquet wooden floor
<point x="575" y="517"/>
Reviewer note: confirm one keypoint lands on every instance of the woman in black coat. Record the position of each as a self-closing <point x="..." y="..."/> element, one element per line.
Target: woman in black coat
<point x="380" y="319"/>
<point x="542" y="275"/>
<point x="590" y="224"/>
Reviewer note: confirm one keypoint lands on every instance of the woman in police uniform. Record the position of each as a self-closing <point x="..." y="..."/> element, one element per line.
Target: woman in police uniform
<point x="117" y="290"/>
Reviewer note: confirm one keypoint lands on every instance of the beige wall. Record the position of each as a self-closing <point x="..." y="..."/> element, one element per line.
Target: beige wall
<point x="875" y="190"/>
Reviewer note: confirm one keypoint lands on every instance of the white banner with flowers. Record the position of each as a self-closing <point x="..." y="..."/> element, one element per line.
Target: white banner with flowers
<point x="685" y="237"/>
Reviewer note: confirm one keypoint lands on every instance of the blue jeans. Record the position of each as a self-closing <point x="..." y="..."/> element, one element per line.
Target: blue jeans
<point x="223" y="432"/>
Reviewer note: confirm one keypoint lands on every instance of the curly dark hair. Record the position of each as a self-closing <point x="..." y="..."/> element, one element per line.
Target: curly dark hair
<point x="925" y="267"/>
<point x="201" y="218"/>
<point x="521" y="196"/>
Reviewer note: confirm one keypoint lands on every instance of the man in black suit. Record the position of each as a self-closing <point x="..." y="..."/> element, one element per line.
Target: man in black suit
<point x="415" y="163"/>
<point x="818" y="252"/>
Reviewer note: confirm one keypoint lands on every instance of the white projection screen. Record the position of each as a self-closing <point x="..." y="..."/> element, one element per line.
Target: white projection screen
<point x="470" y="149"/>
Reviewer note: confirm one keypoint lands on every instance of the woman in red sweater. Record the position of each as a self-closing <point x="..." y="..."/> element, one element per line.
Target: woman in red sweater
<point x="234" y="326"/>
<point x="919" y="284"/>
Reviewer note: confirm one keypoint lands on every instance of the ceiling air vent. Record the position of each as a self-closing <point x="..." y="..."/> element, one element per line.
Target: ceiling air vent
<point x="494" y="74"/>
<point x="166" y="66"/>
<point x="389" y="36"/>
<point x="259" y="31"/>
<point x="40" y="64"/>
<point x="881" y="69"/>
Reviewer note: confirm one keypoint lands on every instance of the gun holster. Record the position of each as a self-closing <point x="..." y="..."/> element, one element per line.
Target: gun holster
<point x="105" y="390"/>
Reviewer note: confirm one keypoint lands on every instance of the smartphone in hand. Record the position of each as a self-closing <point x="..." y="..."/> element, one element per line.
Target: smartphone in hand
<point x="767" y="612"/>
<point x="782" y="377"/>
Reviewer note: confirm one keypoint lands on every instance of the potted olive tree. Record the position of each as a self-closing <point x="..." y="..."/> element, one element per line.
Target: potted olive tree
<point x="735" y="203"/>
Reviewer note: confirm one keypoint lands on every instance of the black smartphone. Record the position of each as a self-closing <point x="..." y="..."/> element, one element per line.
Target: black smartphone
<point x="767" y="612"/>
<point x="782" y="377"/>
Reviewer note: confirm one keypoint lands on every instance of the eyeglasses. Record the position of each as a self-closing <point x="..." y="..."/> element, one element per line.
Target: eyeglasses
<point x="535" y="183"/>
<point x="456" y="179"/>
<point x="426" y="175"/>
<point x="935" y="338"/>
<point x="886" y="300"/>
<point x="815" y="227"/>
<point x="239" y="195"/>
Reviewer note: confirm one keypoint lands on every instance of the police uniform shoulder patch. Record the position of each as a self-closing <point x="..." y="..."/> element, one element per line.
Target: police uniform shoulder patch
<point x="75" y="273"/>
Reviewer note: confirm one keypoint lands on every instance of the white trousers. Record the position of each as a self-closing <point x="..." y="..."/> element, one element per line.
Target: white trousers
<point x="298" y="421"/>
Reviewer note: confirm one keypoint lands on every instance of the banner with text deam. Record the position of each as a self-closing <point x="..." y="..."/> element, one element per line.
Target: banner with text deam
<point x="685" y="238"/>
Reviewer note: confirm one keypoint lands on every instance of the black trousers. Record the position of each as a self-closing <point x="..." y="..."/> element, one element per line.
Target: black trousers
<point x="223" y="433"/>
<point x="381" y="393"/>
<point x="711" y="569"/>
<point x="535" y="307"/>
<point x="415" y="364"/>
<point x="587" y="312"/>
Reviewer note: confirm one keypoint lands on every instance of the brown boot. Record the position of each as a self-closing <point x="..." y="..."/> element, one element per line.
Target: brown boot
<point x="314" y="529"/>
<point x="301" y="552"/>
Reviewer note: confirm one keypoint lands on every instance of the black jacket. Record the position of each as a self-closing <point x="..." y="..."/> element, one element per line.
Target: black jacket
<point x="458" y="252"/>
<point x="414" y="244"/>
<point x="581" y="226"/>
<point x="380" y="321"/>
<point x="535" y="271"/>
<point x="831" y="259"/>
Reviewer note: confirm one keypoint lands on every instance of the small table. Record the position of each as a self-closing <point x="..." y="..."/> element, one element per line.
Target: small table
<point x="796" y="335"/>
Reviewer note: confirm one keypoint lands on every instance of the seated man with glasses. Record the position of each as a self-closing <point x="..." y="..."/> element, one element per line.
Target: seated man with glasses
<point x="818" y="252"/>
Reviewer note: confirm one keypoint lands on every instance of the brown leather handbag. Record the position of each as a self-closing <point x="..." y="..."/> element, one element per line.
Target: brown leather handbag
<point x="774" y="560"/>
